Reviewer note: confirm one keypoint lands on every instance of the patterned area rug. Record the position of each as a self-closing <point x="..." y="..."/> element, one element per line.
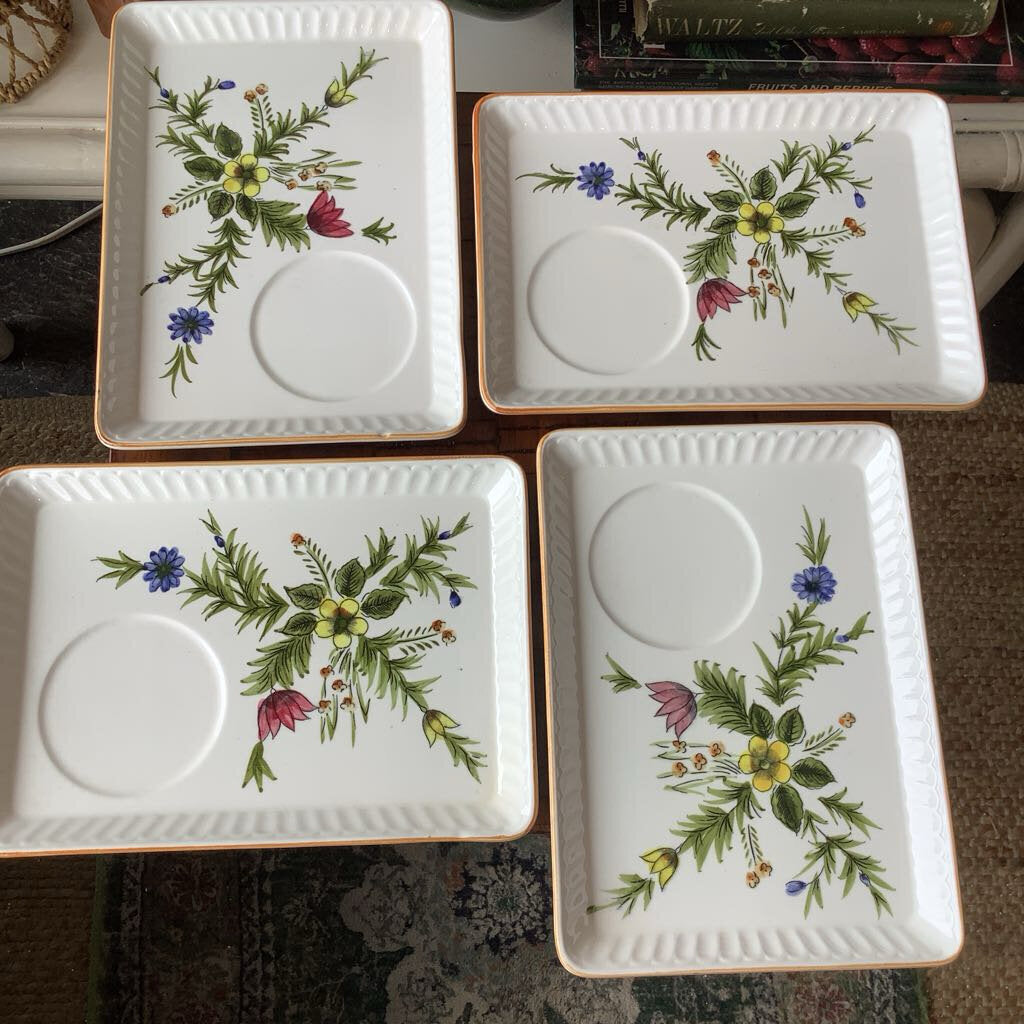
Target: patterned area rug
<point x="405" y="935"/>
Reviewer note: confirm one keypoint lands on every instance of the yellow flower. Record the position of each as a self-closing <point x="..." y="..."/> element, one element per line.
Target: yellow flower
<point x="435" y="723"/>
<point x="766" y="762"/>
<point x="244" y="175"/>
<point x="663" y="862"/>
<point x="340" y="621"/>
<point x="856" y="303"/>
<point x="760" y="221"/>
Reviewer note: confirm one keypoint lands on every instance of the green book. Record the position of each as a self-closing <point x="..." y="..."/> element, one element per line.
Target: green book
<point x="659" y="21"/>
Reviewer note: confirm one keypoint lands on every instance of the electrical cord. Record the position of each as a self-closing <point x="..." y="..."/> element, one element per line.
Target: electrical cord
<point x="64" y="229"/>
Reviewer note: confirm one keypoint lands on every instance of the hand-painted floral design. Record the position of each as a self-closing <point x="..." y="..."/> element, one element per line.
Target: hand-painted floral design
<point x="758" y="222"/>
<point x="815" y="583"/>
<point x="340" y="621"/>
<point x="163" y="570"/>
<point x="781" y="763"/>
<point x="597" y="180"/>
<point x="717" y="294"/>
<point x="324" y="217"/>
<point x="768" y="207"/>
<point x="228" y="182"/>
<point x="336" y="607"/>
<point x="282" y="707"/>
<point x="190" y="325"/>
<point x="678" y="705"/>
<point x="766" y="762"/>
<point x="244" y="175"/>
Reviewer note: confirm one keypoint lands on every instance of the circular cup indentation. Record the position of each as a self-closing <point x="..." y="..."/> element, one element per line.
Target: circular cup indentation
<point x="675" y="565"/>
<point x="331" y="326"/>
<point x="607" y="300"/>
<point x="132" y="705"/>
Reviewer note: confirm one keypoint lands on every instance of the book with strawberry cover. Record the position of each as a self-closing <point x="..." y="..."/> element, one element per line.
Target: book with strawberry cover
<point x="609" y="56"/>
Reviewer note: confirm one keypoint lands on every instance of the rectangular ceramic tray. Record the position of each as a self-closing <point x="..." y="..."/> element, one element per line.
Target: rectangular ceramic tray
<point x="743" y="250"/>
<point x="280" y="245"/>
<point x="260" y="654"/>
<point x="745" y="763"/>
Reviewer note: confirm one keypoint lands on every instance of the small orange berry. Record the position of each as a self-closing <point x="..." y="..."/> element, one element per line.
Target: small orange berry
<point x="436" y="626"/>
<point x="448" y="636"/>
<point x="847" y="720"/>
<point x="764" y="869"/>
<point x="325" y="671"/>
<point x="261" y="89"/>
<point x="764" y="272"/>
<point x="248" y="95"/>
<point x="298" y="539"/>
<point x="753" y="291"/>
<point x="699" y="760"/>
<point x="169" y="211"/>
<point x="753" y="262"/>
<point x="678" y="768"/>
<point x="291" y="183"/>
<point x="753" y="880"/>
<point x="773" y="289"/>
<point x="337" y="684"/>
<point x="324" y="705"/>
<point x="319" y="168"/>
<point x="323" y="186"/>
<point x="346" y="702"/>
<point x="716" y="749"/>
<point x="714" y="156"/>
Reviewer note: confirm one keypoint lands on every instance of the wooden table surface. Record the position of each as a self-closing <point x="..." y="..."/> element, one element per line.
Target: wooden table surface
<point x="485" y="433"/>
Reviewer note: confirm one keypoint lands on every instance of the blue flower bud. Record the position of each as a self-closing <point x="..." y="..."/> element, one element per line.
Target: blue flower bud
<point x="227" y="84"/>
<point x="859" y="200"/>
<point x="163" y="279"/>
<point x="795" y="887"/>
<point x="165" y="93"/>
<point x="444" y="534"/>
<point x="218" y="540"/>
<point x="454" y="600"/>
<point x="842" y="638"/>
<point x="846" y="146"/>
<point x="864" y="878"/>
<point x="641" y="155"/>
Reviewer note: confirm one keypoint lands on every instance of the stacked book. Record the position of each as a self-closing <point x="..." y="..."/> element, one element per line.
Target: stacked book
<point x="953" y="46"/>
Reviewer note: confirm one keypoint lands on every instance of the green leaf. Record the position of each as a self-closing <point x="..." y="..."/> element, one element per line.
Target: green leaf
<point x="788" y="807"/>
<point x="727" y="200"/>
<point x="812" y="773"/>
<point x="308" y="596"/>
<point x="790" y="727"/>
<point x="723" y="222"/>
<point x="228" y="143"/>
<point x="723" y="699"/>
<point x="219" y="204"/>
<point x="300" y="624"/>
<point x="246" y="208"/>
<point x="761" y="721"/>
<point x="204" y="168"/>
<point x="281" y="224"/>
<point x="382" y="604"/>
<point x="763" y="184"/>
<point x="350" y="579"/>
<point x="794" y="204"/>
<point x="710" y="257"/>
<point x="278" y="664"/>
<point x="619" y="678"/>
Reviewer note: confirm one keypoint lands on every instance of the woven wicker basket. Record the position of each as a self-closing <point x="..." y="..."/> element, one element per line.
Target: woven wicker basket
<point x="33" y="34"/>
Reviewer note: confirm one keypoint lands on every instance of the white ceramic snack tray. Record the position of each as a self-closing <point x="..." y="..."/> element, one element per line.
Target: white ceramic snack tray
<point x="722" y="250"/>
<point x="280" y="255"/>
<point x="746" y="771"/>
<point x="259" y="654"/>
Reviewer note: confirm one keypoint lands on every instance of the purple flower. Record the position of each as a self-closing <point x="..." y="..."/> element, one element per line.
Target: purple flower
<point x="165" y="93"/>
<point x="842" y="638"/>
<point x="795" y="887"/>
<point x="444" y="534"/>
<point x="597" y="179"/>
<point x="454" y="600"/>
<point x="678" y="705"/>
<point x="716" y="294"/>
<point x="859" y="201"/>
<point x="218" y="540"/>
<point x="190" y="324"/>
<point x="816" y="583"/>
<point x="641" y="155"/>
<point x="846" y="146"/>
<point x="864" y="879"/>
<point x="226" y="84"/>
<point x="163" y="279"/>
<point x="164" y="569"/>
